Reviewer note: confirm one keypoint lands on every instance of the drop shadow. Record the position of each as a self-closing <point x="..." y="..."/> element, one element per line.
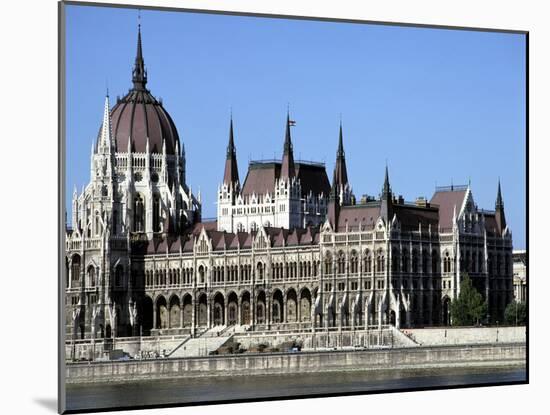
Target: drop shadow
<point x="48" y="403"/>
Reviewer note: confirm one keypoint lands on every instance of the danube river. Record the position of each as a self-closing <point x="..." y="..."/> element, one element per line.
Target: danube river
<point x="166" y="392"/>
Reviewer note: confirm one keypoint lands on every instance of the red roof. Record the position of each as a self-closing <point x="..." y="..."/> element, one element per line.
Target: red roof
<point x="411" y="216"/>
<point x="261" y="177"/>
<point x="358" y="215"/>
<point x="139" y="115"/>
<point x="447" y="200"/>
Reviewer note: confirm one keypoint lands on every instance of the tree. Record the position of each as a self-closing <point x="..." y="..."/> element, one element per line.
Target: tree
<point x="468" y="308"/>
<point x="515" y="313"/>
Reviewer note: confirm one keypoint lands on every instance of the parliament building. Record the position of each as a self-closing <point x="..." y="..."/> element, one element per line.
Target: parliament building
<point x="289" y="249"/>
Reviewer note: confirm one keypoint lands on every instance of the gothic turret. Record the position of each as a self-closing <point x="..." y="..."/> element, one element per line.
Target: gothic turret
<point x="231" y="172"/>
<point x="287" y="165"/>
<point x="386" y="199"/>
<point x="139" y="74"/>
<point x="340" y="171"/>
<point x="340" y="177"/>
<point x="499" y="211"/>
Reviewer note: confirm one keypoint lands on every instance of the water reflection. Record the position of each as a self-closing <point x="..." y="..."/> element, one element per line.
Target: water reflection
<point x="175" y="391"/>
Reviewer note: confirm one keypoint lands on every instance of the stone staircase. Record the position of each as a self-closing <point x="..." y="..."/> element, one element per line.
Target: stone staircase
<point x="400" y="339"/>
<point x="202" y="345"/>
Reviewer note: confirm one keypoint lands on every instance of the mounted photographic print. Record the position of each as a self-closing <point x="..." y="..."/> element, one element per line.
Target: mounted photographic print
<point x="271" y="207"/>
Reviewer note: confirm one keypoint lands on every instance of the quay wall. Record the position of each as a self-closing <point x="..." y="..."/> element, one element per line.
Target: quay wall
<point x="288" y="363"/>
<point x="467" y="335"/>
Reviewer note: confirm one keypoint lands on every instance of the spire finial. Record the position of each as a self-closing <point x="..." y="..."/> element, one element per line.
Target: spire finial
<point x="106" y="126"/>
<point x="231" y="172"/>
<point x="340" y="153"/>
<point x="386" y="189"/>
<point x="139" y="74"/>
<point x="499" y="203"/>
<point x="287" y="163"/>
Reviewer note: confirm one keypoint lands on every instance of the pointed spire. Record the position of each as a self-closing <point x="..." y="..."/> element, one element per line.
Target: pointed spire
<point x="231" y="172"/>
<point x="499" y="211"/>
<point x="340" y="177"/>
<point x="287" y="164"/>
<point x="139" y="74"/>
<point x="106" y="127"/>
<point x="499" y="204"/>
<point x="386" y="189"/>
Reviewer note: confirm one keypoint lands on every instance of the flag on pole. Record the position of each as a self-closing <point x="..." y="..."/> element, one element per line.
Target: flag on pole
<point x="292" y="123"/>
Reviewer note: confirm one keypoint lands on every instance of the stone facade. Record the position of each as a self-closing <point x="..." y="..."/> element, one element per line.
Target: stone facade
<point x="520" y="275"/>
<point x="139" y="260"/>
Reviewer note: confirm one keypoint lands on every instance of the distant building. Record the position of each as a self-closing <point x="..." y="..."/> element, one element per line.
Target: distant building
<point x="289" y="249"/>
<point x="520" y="275"/>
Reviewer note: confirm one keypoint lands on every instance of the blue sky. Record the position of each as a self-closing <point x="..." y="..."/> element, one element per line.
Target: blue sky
<point x="437" y="105"/>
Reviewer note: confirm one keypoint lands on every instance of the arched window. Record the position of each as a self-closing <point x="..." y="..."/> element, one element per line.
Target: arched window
<point x="201" y="274"/>
<point x="240" y="227"/>
<point x="435" y="259"/>
<point x="415" y="261"/>
<point x="424" y="261"/>
<point x="354" y="262"/>
<point x="328" y="264"/>
<point x="404" y="262"/>
<point x="75" y="268"/>
<point x="394" y="260"/>
<point x="156" y="213"/>
<point x="139" y="214"/>
<point x="480" y="263"/>
<point x="253" y="227"/>
<point x="119" y="274"/>
<point x="380" y="261"/>
<point x="341" y="262"/>
<point x="446" y="263"/>
<point x="499" y="264"/>
<point x="97" y="225"/>
<point x="368" y="262"/>
<point x="91" y="276"/>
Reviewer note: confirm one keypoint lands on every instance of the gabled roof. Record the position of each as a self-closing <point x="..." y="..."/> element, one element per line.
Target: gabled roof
<point x="354" y="216"/>
<point x="491" y="223"/>
<point x="411" y="216"/>
<point x="261" y="178"/>
<point x="447" y="200"/>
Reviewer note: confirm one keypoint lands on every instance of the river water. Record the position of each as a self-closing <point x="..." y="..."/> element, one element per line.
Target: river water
<point x="178" y="391"/>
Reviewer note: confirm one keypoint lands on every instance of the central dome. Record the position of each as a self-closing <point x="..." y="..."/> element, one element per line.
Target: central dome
<point x="139" y="116"/>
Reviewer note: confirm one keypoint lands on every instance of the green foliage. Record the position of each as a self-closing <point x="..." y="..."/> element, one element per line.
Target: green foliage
<point x="469" y="308"/>
<point x="515" y="313"/>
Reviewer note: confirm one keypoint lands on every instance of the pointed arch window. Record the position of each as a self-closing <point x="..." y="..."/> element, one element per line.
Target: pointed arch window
<point x="434" y="261"/>
<point x="97" y="225"/>
<point x="404" y="262"/>
<point x="156" y="213"/>
<point x="424" y="261"/>
<point x="415" y="261"/>
<point x="447" y="263"/>
<point x="91" y="276"/>
<point x="119" y="276"/>
<point x="328" y="264"/>
<point x="341" y="262"/>
<point x="139" y="214"/>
